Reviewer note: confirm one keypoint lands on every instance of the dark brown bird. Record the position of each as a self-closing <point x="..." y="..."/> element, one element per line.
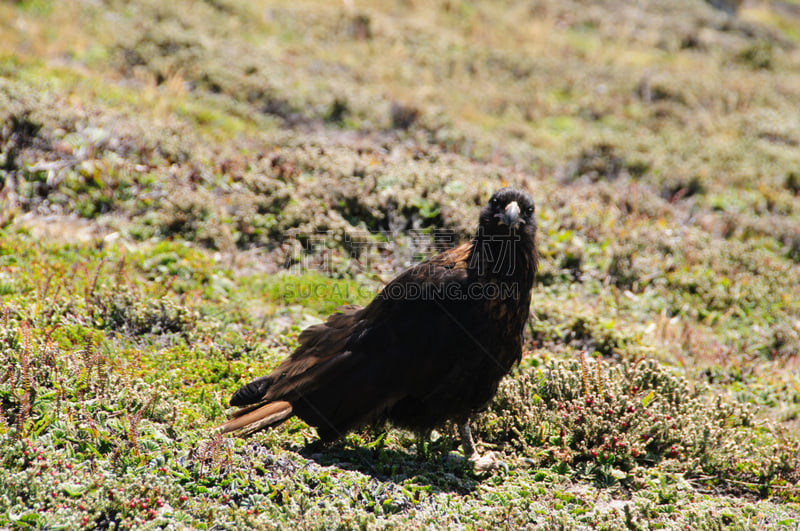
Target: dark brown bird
<point x="431" y="347"/>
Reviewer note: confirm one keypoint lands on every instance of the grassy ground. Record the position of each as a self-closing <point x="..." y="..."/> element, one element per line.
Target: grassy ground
<point x="185" y="186"/>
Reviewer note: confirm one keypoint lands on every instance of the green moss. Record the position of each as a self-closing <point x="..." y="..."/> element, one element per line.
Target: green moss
<point x="182" y="195"/>
<point x="312" y="291"/>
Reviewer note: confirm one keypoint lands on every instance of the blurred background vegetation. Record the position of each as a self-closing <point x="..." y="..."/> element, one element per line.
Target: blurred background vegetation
<point x="165" y="169"/>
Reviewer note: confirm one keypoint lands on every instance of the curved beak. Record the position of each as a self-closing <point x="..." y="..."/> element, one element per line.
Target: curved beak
<point x="511" y="215"/>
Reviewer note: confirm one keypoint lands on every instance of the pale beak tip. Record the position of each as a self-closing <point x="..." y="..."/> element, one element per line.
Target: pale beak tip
<point x="511" y="215"/>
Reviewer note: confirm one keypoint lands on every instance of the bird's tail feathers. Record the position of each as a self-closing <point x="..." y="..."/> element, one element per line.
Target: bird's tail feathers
<point x="249" y="420"/>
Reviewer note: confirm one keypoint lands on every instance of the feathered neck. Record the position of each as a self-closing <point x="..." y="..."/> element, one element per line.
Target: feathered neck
<point x="510" y="256"/>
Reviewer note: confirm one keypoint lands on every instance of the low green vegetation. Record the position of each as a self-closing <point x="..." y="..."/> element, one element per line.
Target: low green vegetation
<point x="181" y="196"/>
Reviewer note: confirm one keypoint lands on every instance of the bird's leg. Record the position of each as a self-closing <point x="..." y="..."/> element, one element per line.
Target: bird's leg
<point x="481" y="463"/>
<point x="467" y="442"/>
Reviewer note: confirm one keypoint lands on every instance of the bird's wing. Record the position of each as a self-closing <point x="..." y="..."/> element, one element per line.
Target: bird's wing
<point x="319" y="345"/>
<point x="353" y="334"/>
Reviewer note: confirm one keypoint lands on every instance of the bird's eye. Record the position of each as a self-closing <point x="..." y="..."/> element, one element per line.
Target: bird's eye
<point x="529" y="211"/>
<point x="495" y="202"/>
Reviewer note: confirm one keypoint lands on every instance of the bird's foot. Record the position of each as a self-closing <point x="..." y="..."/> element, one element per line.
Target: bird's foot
<point x="487" y="462"/>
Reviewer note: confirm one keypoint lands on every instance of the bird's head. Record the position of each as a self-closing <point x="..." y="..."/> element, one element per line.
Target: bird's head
<point x="508" y="211"/>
